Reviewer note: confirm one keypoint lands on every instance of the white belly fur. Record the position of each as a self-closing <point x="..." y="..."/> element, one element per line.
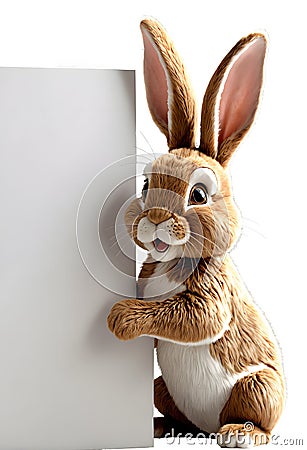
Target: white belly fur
<point x="199" y="384"/>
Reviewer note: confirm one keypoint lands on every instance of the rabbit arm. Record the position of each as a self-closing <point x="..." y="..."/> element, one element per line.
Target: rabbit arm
<point x="184" y="318"/>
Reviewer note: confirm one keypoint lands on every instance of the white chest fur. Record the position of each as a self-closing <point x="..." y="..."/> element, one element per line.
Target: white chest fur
<point x="199" y="384"/>
<point x="160" y="285"/>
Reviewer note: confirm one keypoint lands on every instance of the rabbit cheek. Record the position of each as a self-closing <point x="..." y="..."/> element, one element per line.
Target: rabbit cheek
<point x="208" y="237"/>
<point x="216" y="235"/>
<point x="202" y="233"/>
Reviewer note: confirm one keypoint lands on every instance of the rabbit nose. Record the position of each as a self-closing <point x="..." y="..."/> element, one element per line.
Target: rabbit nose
<point x="158" y="215"/>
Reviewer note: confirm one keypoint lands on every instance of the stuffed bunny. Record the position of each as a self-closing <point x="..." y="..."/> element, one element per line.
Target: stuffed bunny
<point x="221" y="368"/>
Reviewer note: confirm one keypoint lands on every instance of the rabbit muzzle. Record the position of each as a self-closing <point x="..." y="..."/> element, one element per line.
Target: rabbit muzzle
<point x="162" y="232"/>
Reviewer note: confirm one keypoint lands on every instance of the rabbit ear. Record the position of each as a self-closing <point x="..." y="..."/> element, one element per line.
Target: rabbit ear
<point x="169" y="95"/>
<point x="231" y="99"/>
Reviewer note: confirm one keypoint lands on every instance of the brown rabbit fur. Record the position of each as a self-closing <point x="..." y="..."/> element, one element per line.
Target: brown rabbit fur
<point x="219" y="361"/>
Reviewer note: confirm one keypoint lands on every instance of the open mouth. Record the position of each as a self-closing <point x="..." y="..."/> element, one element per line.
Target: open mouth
<point x="160" y="246"/>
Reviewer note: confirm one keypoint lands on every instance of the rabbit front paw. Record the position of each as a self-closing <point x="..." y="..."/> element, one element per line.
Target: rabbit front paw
<point x="123" y="320"/>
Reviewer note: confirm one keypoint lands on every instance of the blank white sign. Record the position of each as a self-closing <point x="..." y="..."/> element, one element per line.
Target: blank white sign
<point x="65" y="381"/>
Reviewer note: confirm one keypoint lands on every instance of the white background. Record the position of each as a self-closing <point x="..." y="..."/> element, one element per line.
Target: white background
<point x="268" y="170"/>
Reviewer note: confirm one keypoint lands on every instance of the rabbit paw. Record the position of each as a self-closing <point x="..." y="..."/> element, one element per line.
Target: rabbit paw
<point x="122" y="320"/>
<point x="241" y="436"/>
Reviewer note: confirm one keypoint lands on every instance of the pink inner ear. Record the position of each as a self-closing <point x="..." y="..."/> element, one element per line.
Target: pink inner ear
<point x="156" y="83"/>
<point x="241" y="91"/>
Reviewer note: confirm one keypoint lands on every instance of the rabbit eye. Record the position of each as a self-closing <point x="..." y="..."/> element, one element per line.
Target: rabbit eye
<point x="198" y="195"/>
<point x="145" y="189"/>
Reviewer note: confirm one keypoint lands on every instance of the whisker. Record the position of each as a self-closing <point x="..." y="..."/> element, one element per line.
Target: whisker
<point x="246" y="227"/>
<point x="207" y="266"/>
<point x="181" y="271"/>
<point x="118" y="253"/>
<point x="121" y="246"/>
<point x="193" y="234"/>
<point x="246" y="219"/>
<point x="196" y="268"/>
<point x="148" y="143"/>
<point x="117" y="238"/>
<point x="147" y="154"/>
<point x="114" y="244"/>
<point x="115" y="231"/>
<point x="250" y="220"/>
<point x="208" y="271"/>
<point x="121" y="235"/>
